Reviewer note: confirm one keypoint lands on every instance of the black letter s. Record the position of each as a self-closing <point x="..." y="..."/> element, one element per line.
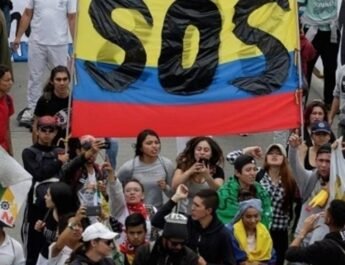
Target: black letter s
<point x="277" y="56"/>
<point x="135" y="57"/>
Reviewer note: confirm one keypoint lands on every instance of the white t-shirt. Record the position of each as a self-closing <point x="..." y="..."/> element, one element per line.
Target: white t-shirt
<point x="49" y="24"/>
<point x="11" y="252"/>
<point x="61" y="258"/>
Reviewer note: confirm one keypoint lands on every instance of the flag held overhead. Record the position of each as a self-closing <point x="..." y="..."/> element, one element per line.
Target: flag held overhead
<point x="185" y="67"/>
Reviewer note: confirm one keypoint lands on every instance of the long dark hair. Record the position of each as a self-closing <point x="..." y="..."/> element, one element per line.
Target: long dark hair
<point x="64" y="199"/>
<point x="309" y="110"/>
<point x="288" y="183"/>
<point x="141" y="138"/>
<point x="186" y="159"/>
<point x="49" y="87"/>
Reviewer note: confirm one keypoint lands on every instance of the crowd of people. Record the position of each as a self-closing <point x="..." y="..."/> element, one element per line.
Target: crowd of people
<point x="152" y="210"/>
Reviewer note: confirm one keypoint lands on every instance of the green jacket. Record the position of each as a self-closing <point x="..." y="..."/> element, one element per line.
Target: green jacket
<point x="228" y="202"/>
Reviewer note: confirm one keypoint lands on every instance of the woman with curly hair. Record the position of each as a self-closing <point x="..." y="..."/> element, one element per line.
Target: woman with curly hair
<point x="199" y="166"/>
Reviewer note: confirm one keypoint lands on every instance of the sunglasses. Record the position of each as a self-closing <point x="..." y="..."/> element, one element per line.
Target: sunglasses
<point x="176" y="243"/>
<point x="47" y="129"/>
<point x="109" y="242"/>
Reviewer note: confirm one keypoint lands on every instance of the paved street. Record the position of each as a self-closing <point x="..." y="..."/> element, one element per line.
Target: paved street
<point x="21" y="137"/>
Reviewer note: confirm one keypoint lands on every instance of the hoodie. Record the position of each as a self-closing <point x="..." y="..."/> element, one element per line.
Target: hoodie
<point x="213" y="243"/>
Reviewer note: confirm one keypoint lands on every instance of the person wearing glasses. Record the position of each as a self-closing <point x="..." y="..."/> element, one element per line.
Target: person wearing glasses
<point x="43" y="161"/>
<point x="98" y="244"/>
<point x="170" y="248"/>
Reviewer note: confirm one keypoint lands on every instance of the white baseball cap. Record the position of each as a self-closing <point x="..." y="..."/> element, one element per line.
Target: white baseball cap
<point x="279" y="147"/>
<point x="98" y="230"/>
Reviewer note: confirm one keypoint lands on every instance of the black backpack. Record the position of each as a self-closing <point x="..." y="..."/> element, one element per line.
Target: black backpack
<point x="40" y="188"/>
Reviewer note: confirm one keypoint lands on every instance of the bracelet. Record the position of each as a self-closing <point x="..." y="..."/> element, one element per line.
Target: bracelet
<point x="71" y="226"/>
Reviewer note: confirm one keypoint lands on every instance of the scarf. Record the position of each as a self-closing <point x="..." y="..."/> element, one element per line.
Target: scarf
<point x="127" y="249"/>
<point x="137" y="208"/>
<point x="264" y="245"/>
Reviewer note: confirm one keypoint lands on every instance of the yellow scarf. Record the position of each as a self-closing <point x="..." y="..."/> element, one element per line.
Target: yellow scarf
<point x="264" y="245"/>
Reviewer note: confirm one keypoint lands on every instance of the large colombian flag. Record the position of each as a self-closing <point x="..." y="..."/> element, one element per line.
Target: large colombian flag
<point x="185" y="67"/>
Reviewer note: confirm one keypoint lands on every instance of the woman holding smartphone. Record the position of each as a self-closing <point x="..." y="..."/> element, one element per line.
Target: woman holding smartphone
<point x="199" y="167"/>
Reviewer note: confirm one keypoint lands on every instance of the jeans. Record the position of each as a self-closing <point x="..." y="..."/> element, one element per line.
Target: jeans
<point x="112" y="151"/>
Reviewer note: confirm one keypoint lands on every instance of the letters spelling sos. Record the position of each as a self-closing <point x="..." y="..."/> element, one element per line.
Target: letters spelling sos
<point x="199" y="76"/>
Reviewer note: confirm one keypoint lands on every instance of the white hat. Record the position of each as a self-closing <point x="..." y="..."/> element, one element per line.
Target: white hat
<point x="97" y="230"/>
<point x="279" y="146"/>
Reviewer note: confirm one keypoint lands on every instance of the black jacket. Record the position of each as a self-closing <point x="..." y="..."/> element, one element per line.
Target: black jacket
<point x="74" y="173"/>
<point x="80" y="259"/>
<point x="212" y="243"/>
<point x="155" y="254"/>
<point x="44" y="168"/>
<point x="325" y="252"/>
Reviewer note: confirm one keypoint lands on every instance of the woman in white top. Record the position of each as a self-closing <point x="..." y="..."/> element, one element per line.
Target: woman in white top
<point x="11" y="251"/>
<point x="152" y="170"/>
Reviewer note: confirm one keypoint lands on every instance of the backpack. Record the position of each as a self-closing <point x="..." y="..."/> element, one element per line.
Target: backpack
<point x="40" y="188"/>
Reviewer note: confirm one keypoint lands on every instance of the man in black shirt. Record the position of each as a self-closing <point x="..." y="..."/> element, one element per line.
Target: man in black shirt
<point x="43" y="161"/>
<point x="331" y="249"/>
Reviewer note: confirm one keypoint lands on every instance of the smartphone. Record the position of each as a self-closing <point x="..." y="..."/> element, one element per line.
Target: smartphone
<point x="93" y="210"/>
<point x="106" y="145"/>
<point x="204" y="161"/>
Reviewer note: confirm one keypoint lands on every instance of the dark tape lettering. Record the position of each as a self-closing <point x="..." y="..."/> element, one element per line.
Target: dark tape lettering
<point x="204" y="15"/>
<point x="135" y="55"/>
<point x="276" y="55"/>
